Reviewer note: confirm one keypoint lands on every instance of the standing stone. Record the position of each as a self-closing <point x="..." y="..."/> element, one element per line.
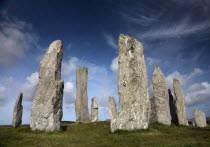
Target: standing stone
<point x="172" y="103"/>
<point x="18" y="111"/>
<point x="200" y="118"/>
<point x="46" y="113"/>
<point x="161" y="97"/>
<point x="94" y="110"/>
<point x="112" y="108"/>
<point x="81" y="103"/>
<point x="153" y="116"/>
<point x="180" y="103"/>
<point x="133" y="86"/>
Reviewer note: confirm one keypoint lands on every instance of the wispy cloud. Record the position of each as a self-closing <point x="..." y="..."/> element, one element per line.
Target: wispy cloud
<point x="111" y="41"/>
<point x="176" y="30"/>
<point x="16" y="37"/>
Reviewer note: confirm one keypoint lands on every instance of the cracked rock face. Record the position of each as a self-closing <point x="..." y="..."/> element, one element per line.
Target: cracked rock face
<point x="200" y="118"/>
<point x="46" y="112"/>
<point x="172" y="103"/>
<point x="133" y="85"/>
<point x="161" y="97"/>
<point x="94" y="110"/>
<point x="81" y="103"/>
<point x="18" y="111"/>
<point x="180" y="103"/>
<point x="153" y="117"/>
<point x="112" y="108"/>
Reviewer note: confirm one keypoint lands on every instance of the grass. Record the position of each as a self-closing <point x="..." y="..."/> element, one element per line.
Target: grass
<point x="98" y="134"/>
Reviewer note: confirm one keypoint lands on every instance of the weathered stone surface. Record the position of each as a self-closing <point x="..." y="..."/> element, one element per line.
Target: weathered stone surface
<point x="161" y="97"/>
<point x="180" y="103"/>
<point x="133" y="85"/>
<point x="112" y="108"/>
<point x="81" y="103"/>
<point x="200" y="118"/>
<point x="18" y="111"/>
<point x="94" y="110"/>
<point x="153" y="116"/>
<point x="172" y="103"/>
<point x="46" y="112"/>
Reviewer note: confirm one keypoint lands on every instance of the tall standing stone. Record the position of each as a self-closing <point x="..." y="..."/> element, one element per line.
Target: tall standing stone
<point x="94" y="110"/>
<point x="81" y="103"/>
<point x="180" y="103"/>
<point x="133" y="86"/>
<point x="153" y="115"/>
<point x="112" y="108"/>
<point x="200" y="118"/>
<point x="172" y="104"/>
<point x="18" y="111"/>
<point x="161" y="97"/>
<point x="46" y="112"/>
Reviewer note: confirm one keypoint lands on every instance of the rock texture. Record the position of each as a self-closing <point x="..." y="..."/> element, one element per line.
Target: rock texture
<point x="94" y="110"/>
<point x="180" y="103"/>
<point x="46" y="112"/>
<point x="200" y="118"/>
<point x="112" y="108"/>
<point x="18" y="111"/>
<point x="133" y="85"/>
<point x="153" y="117"/>
<point x="172" y="103"/>
<point x="81" y="103"/>
<point x="161" y="97"/>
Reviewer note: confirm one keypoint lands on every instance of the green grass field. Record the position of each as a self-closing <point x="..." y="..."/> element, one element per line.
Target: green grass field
<point x="98" y="134"/>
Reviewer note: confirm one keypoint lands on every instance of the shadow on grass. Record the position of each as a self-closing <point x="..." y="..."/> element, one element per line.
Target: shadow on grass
<point x="64" y="128"/>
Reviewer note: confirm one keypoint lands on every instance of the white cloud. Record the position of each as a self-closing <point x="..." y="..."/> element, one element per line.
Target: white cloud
<point x="110" y="41"/>
<point x="198" y="93"/>
<point x="152" y="61"/>
<point x="176" y="30"/>
<point x="183" y="78"/>
<point x="16" y="37"/>
<point x="69" y="94"/>
<point x="29" y="87"/>
<point x="69" y="66"/>
<point x="114" y="65"/>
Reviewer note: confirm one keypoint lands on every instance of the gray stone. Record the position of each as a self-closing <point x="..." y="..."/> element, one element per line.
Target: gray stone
<point x="46" y="112"/>
<point x="94" y="110"/>
<point x="172" y="103"/>
<point x="180" y="103"/>
<point x="161" y="97"/>
<point x="200" y="118"/>
<point x="112" y="108"/>
<point x="133" y="86"/>
<point x="153" y="116"/>
<point x="18" y="111"/>
<point x="81" y="103"/>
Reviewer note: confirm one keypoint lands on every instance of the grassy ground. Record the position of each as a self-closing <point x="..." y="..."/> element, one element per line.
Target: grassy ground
<point x="98" y="134"/>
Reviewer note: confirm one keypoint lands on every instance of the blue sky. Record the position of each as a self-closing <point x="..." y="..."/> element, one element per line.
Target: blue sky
<point x="175" y="35"/>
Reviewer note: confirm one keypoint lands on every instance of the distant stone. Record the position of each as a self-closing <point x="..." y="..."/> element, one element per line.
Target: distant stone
<point x="94" y="110"/>
<point x="200" y="118"/>
<point x="191" y="122"/>
<point x="46" y="112"/>
<point x="81" y="103"/>
<point x="161" y="97"/>
<point x="180" y="103"/>
<point x="112" y="108"/>
<point x="153" y="117"/>
<point x="172" y="104"/>
<point x="133" y="85"/>
<point x="18" y="111"/>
